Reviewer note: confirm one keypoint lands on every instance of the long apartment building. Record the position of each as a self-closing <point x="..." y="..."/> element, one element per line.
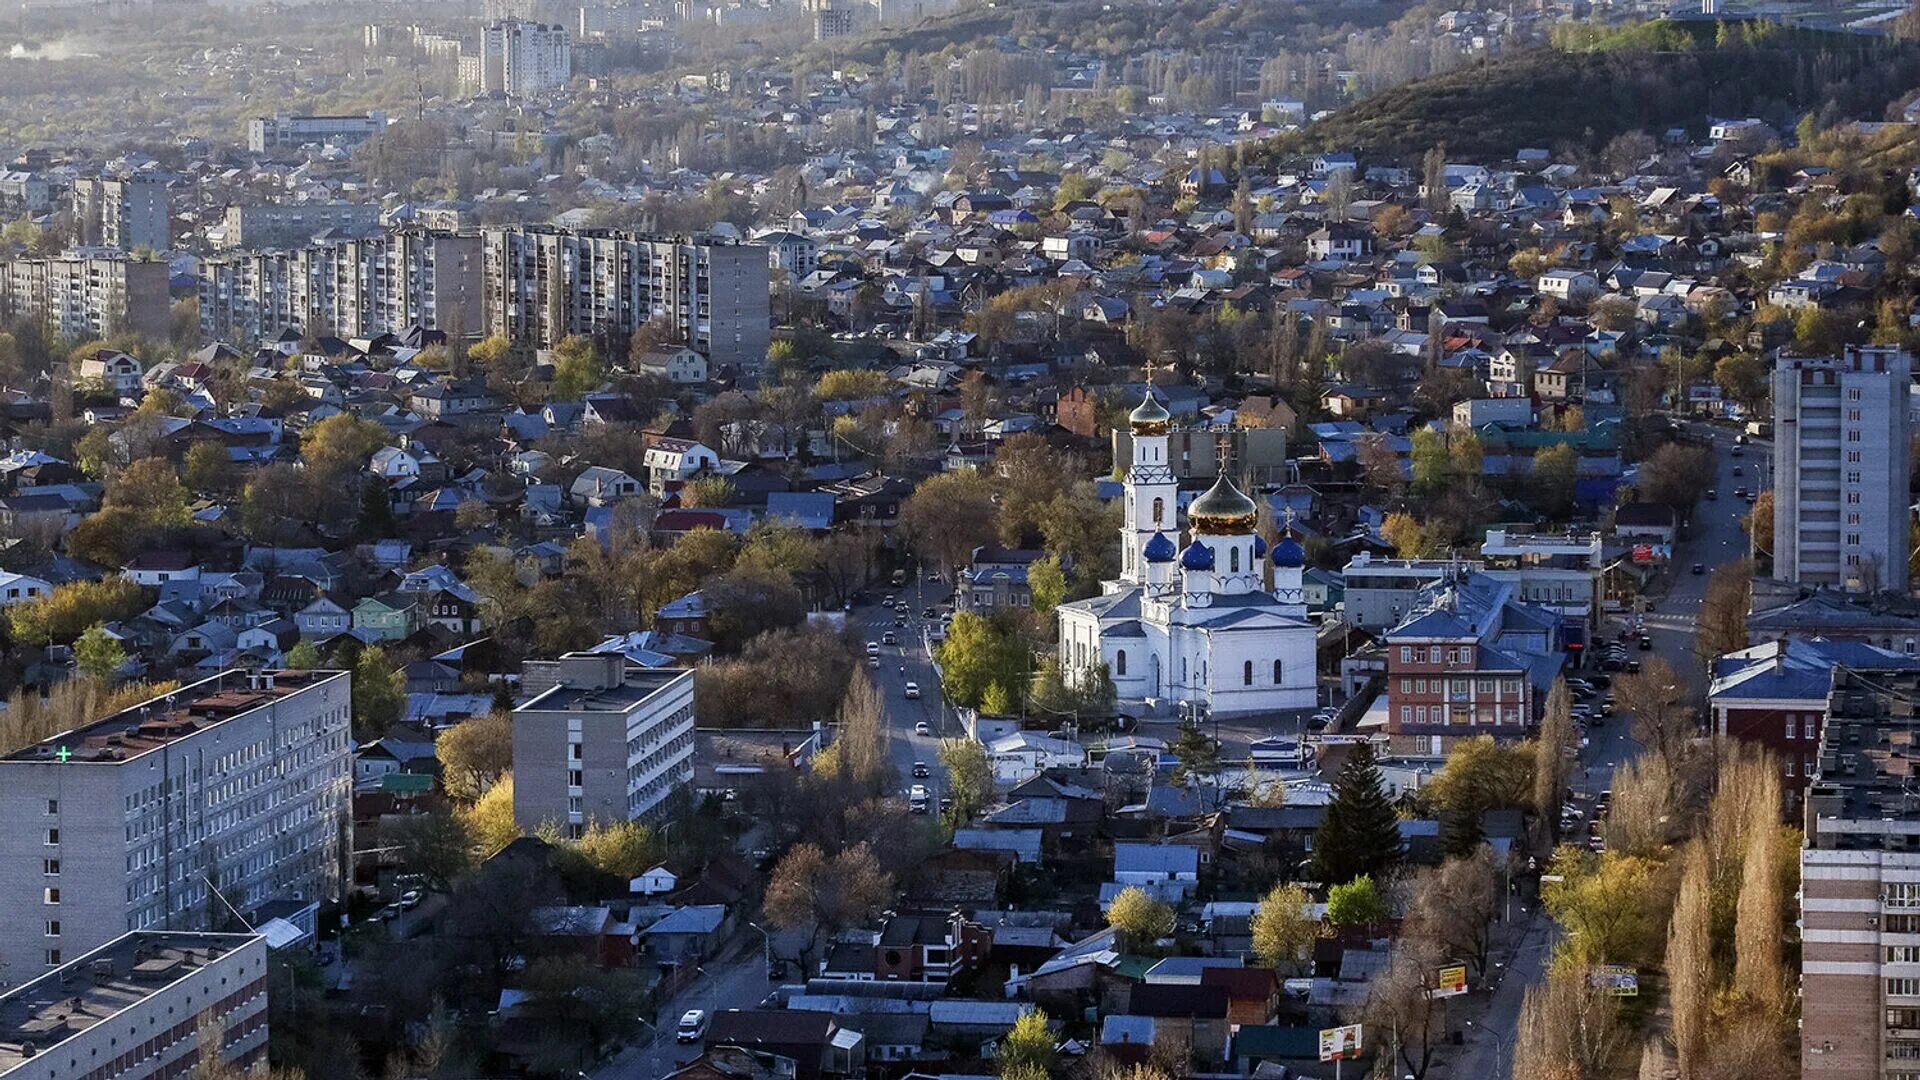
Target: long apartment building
<point x="283" y="131"/>
<point x="88" y="297"/>
<point x="125" y="213"/>
<point x="239" y="782"/>
<point x="364" y="287"/>
<point x="519" y="59"/>
<point x="1840" y="432"/>
<point x="133" y="1009"/>
<point x="599" y="740"/>
<point x="1860" y="884"/>
<point x="543" y="284"/>
<point x="272" y="225"/>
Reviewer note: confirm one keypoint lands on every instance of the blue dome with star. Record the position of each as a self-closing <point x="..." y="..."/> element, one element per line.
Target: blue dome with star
<point x="1198" y="556"/>
<point x="1289" y="553"/>
<point x="1159" y="549"/>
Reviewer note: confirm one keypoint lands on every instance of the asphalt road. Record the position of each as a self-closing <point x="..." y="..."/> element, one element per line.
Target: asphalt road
<point x="908" y="661"/>
<point x="1715" y="539"/>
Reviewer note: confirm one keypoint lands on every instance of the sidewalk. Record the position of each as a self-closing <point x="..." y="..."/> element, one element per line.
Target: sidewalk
<point x="1518" y="957"/>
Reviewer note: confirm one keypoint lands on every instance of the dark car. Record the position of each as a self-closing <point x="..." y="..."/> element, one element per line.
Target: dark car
<point x="1699" y="568"/>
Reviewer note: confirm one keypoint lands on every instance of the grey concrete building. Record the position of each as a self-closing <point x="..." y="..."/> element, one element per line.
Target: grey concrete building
<point x="270" y="225"/>
<point x="88" y="297"/>
<point x="124" y="214"/>
<point x="239" y="782"/>
<point x="1840" y="434"/>
<point x="286" y="131"/>
<point x="544" y="283"/>
<point x="133" y="1008"/>
<point x="1860" y="885"/>
<point x="381" y="284"/>
<point x="599" y="740"/>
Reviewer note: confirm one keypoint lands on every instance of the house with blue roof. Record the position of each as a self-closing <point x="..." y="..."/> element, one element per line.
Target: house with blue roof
<point x="1470" y="658"/>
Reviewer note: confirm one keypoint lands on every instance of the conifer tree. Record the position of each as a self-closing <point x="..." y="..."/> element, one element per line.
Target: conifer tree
<point x="1361" y="833"/>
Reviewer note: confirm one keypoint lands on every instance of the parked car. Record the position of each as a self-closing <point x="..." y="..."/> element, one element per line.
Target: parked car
<point x="693" y="1026"/>
<point x="411" y="899"/>
<point x="920" y="769"/>
<point x="921" y="728"/>
<point x="913" y="691"/>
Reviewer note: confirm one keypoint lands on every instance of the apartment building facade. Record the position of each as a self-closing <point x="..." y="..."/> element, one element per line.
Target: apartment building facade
<point x="381" y="284"/>
<point x="1561" y="572"/>
<point x="521" y="59"/>
<point x="88" y="297"/>
<point x="599" y="740"/>
<point x="544" y="283"/>
<point x="271" y="225"/>
<point x="125" y="214"/>
<point x="239" y="783"/>
<point x="1860" y="886"/>
<point x="285" y="131"/>
<point x="1840" y="499"/>
<point x="133" y="1009"/>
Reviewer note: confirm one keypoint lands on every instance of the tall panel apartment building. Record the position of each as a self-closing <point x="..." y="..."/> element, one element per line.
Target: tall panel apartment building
<point x="239" y="782"/>
<point x="75" y="1020"/>
<point x="1840" y="431"/>
<point x="522" y="59"/>
<point x="124" y="214"/>
<point x="543" y="284"/>
<point x="88" y="297"/>
<point x="1860" y="885"/>
<point x="380" y="284"/>
<point x="600" y="740"/>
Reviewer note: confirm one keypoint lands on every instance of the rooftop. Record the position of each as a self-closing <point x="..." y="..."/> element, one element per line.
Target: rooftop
<point x="1866" y="795"/>
<point x="152" y="724"/>
<point x="57" y="1006"/>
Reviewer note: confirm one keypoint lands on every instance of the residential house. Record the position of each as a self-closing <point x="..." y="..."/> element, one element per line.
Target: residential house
<point x="392" y="616"/>
<point x="679" y="365"/>
<point x="671" y="462"/>
<point x="113" y="369"/>
<point x="599" y="485"/>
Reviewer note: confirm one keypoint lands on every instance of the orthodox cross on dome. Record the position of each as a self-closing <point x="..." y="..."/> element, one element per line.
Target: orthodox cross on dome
<point x="1287" y="519"/>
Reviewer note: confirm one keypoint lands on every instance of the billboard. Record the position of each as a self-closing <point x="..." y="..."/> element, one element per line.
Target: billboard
<point x="1452" y="981"/>
<point x="1616" y="980"/>
<point x="1340" y="1043"/>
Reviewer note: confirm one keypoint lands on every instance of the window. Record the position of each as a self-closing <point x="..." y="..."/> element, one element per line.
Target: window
<point x="53" y="957"/>
<point x="51" y="896"/>
<point x="1903" y="954"/>
<point x="1903" y="987"/>
<point x="1120" y="662"/>
<point x="1406" y="654"/>
<point x="53" y="806"/>
<point x="53" y="927"/>
<point x="53" y="836"/>
<point x="1903" y="1018"/>
<point x="1792" y="725"/>
<point x="1233" y="559"/>
<point x="50" y="867"/>
<point x="1246" y="674"/>
<point x="1159" y="511"/>
<point x="1902" y="894"/>
<point x="1276" y="673"/>
<point x="573" y="778"/>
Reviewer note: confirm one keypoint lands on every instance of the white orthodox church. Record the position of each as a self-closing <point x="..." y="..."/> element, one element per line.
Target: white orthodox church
<point x="1194" y="625"/>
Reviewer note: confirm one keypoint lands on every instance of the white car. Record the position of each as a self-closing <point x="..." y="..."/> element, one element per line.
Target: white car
<point x="913" y="691"/>
<point x="693" y="1025"/>
<point x="921" y="728"/>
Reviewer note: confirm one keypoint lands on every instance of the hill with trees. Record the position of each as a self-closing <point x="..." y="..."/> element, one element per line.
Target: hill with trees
<point x="1593" y="84"/>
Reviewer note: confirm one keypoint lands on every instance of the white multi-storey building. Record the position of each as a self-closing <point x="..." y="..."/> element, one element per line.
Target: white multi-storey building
<point x="88" y="298"/>
<point x="1840" y="466"/>
<point x="238" y="783"/>
<point x="283" y="131"/>
<point x="522" y="59"/>
<point x="123" y="214"/>
<point x="599" y="740"/>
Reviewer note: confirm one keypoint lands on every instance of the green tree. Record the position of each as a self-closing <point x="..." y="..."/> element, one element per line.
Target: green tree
<point x="1141" y="918"/>
<point x="474" y="754"/>
<point x="1432" y="465"/>
<point x="304" y="656"/>
<point x="1027" y="1045"/>
<point x="1481" y="774"/>
<point x="379" y="694"/>
<point x="979" y="654"/>
<point x="70" y="609"/>
<point x="490" y="821"/>
<point x="1049" y="584"/>
<point x="1613" y="906"/>
<point x="208" y="467"/>
<point x="1555" y="469"/>
<point x="150" y="488"/>
<point x="1356" y="903"/>
<point x="1198" y="754"/>
<point x="969" y="776"/>
<point x="340" y="443"/>
<point x="1283" y="932"/>
<point x="948" y="516"/>
<point x="851" y="384"/>
<point x="98" y="654"/>
<point x="1361" y="831"/>
<point x="577" y="368"/>
<point x="623" y="849"/>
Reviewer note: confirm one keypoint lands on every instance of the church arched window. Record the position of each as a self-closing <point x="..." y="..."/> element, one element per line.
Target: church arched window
<point x="1159" y="511"/>
<point x="1120" y="662"/>
<point x="1233" y="559"/>
<point x="1276" y="673"/>
<point x="1183" y="669"/>
<point x="1246" y="674"/>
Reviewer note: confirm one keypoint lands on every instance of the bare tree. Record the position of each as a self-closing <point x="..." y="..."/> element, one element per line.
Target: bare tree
<point x="1760" y="915"/>
<point x="1552" y="766"/>
<point x="1569" y="1029"/>
<point x="1402" y="1003"/>
<point x="809" y="891"/>
<point x="1645" y="817"/>
<point x="1690" y="959"/>
<point x="1455" y="903"/>
<point x="1664" y="716"/>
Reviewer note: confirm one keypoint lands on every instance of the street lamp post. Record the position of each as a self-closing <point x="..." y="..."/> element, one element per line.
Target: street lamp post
<point x="1499" y="1044"/>
<point x="766" y="951"/>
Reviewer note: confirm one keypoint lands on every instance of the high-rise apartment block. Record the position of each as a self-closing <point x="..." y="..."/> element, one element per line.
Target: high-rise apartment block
<point x="544" y="283"/>
<point x="521" y="59"/>
<point x="125" y="214"/>
<point x="1860" y="885"/>
<point x="88" y="297"/>
<point x="599" y="740"/>
<point x="286" y="131"/>
<point x="1840" y="432"/>
<point x="380" y="284"/>
<point x="133" y="1009"/>
<point x="238" y="783"/>
<point x="272" y="225"/>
